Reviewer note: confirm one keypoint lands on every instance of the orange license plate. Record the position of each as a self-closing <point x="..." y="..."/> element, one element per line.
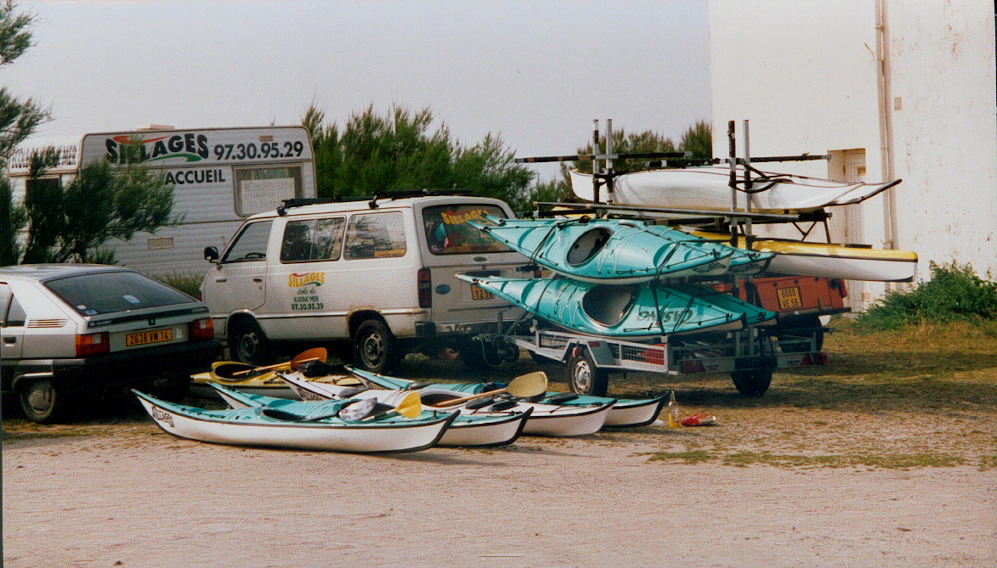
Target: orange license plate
<point x="147" y="337"/>
<point x="479" y="293"/>
<point x="789" y="298"/>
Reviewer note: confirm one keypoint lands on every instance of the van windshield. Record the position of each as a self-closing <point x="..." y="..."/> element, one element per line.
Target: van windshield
<point x="447" y="231"/>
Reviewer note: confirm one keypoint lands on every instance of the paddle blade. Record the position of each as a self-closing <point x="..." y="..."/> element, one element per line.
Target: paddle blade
<point x="411" y="405"/>
<point x="313" y="354"/>
<point x="528" y="385"/>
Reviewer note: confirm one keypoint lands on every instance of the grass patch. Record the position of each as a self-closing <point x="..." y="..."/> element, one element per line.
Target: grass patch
<point x="688" y="457"/>
<point x="187" y="283"/>
<point x="954" y="293"/>
<point x="895" y="461"/>
<point x="19" y="430"/>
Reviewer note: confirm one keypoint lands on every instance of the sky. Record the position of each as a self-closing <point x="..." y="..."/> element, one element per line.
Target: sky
<point x="534" y="72"/>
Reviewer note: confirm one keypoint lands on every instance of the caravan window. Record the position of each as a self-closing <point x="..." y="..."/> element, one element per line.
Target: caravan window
<point x="264" y="188"/>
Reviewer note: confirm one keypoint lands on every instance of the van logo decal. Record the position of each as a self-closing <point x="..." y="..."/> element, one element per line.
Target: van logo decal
<point x="306" y="296"/>
<point x="295" y="280"/>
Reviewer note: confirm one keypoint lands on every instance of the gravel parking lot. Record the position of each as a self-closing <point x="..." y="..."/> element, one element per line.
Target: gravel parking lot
<point x="126" y="494"/>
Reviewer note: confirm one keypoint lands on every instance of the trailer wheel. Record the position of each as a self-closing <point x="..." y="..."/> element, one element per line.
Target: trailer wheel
<point x="375" y="348"/>
<point x="42" y="401"/>
<point x="752" y="382"/>
<point x="585" y="378"/>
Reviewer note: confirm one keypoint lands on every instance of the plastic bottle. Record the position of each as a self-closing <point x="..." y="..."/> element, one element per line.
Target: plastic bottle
<point x="674" y="418"/>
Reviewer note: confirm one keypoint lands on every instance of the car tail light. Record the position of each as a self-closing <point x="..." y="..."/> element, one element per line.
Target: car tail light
<point x="92" y="344"/>
<point x="201" y="329"/>
<point x="425" y="287"/>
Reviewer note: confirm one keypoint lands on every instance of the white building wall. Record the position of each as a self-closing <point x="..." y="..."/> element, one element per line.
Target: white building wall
<point x="806" y="75"/>
<point x="943" y="81"/>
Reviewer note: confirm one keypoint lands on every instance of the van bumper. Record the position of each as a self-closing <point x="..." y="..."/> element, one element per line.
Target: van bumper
<point x="428" y="329"/>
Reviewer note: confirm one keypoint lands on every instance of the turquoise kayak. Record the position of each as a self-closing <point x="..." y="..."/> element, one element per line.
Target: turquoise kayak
<point x="325" y="427"/>
<point x="622" y="311"/>
<point x="625" y="412"/>
<point x="488" y="429"/>
<point x="610" y="250"/>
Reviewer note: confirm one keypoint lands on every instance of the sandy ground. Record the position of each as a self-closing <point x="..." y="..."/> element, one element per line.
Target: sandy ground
<point x="139" y="497"/>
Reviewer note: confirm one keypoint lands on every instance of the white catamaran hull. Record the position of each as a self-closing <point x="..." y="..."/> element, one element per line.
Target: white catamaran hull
<point x="829" y="260"/>
<point x="707" y="188"/>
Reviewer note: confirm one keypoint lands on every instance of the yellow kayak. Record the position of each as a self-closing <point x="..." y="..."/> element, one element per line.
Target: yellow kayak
<point x="829" y="260"/>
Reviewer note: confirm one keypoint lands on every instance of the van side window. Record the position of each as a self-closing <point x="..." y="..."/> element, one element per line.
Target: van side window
<point x="375" y="235"/>
<point x="250" y="243"/>
<point x="11" y="312"/>
<point x="312" y="239"/>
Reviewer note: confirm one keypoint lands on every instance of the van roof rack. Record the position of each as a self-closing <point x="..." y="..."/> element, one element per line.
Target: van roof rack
<point x="371" y="199"/>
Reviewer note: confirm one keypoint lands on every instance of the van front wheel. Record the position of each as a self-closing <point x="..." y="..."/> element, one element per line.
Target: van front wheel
<point x="375" y="348"/>
<point x="248" y="344"/>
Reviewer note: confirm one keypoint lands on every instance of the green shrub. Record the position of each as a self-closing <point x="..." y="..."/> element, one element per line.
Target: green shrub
<point x="954" y="293"/>
<point x="187" y="283"/>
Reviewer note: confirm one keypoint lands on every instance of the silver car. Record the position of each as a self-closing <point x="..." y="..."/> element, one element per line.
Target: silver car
<point x="68" y="330"/>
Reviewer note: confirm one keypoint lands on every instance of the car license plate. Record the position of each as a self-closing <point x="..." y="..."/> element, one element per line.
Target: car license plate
<point x="479" y="293"/>
<point x="147" y="337"/>
<point x="789" y="298"/>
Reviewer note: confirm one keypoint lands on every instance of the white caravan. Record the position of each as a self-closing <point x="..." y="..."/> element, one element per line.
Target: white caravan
<point x="220" y="176"/>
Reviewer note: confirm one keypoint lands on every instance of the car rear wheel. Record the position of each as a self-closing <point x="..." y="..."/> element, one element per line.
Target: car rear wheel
<point x="375" y="348"/>
<point x="42" y="401"/>
<point x="249" y="345"/>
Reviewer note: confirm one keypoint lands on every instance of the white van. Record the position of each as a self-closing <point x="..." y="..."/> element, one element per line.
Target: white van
<point x="220" y="176"/>
<point x="374" y="279"/>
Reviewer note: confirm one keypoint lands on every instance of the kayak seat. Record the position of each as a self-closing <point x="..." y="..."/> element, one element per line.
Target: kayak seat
<point x="503" y="405"/>
<point x="562" y="397"/>
<point x="588" y="245"/>
<point x="351" y="392"/>
<point x="481" y="402"/>
<point x="608" y="305"/>
<point x="312" y="369"/>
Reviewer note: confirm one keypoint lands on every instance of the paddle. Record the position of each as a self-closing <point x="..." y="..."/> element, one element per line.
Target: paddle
<point x="523" y="386"/>
<point x="409" y="407"/>
<point x="314" y="354"/>
<point x="324" y="410"/>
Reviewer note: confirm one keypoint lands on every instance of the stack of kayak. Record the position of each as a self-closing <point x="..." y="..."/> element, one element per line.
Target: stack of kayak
<point x="350" y="410"/>
<point x="708" y="189"/>
<point x="616" y="278"/>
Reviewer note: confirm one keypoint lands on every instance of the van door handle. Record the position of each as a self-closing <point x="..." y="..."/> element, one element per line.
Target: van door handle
<point x="10" y="340"/>
<point x="257" y="279"/>
<point x="221" y="279"/>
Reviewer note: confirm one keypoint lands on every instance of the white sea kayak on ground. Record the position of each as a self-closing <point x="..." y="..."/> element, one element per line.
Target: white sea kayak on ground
<point x="323" y="428"/>
<point x="546" y="420"/>
<point x="478" y="427"/>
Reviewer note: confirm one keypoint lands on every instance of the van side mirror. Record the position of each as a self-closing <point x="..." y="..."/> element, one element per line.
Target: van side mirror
<point x="211" y="254"/>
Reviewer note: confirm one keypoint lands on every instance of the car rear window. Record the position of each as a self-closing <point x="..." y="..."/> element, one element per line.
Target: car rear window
<point x="109" y="292"/>
<point x="447" y="231"/>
